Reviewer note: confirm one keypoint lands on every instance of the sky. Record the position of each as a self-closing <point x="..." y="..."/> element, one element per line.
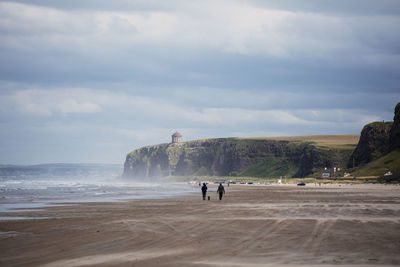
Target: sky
<point x="89" y="81"/>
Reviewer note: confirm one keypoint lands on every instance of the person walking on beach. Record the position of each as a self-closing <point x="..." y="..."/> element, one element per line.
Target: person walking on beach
<point x="204" y="191"/>
<point x="220" y="191"/>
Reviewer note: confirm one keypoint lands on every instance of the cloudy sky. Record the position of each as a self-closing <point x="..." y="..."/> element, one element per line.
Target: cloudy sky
<point x="91" y="80"/>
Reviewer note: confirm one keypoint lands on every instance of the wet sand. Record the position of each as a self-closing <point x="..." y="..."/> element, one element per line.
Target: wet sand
<point x="347" y="225"/>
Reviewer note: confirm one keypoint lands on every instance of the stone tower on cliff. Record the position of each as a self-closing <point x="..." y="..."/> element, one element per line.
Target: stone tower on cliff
<point x="176" y="138"/>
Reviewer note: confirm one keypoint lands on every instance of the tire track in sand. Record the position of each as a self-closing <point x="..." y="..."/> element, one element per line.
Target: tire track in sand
<point x="320" y="232"/>
<point x="257" y="238"/>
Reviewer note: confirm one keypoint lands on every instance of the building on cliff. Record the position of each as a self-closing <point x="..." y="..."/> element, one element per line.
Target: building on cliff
<point x="176" y="137"/>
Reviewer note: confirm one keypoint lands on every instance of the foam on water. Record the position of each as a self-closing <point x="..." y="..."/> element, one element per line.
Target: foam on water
<point x="32" y="190"/>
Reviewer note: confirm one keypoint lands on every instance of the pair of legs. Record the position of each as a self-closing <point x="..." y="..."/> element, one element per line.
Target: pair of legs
<point x="204" y="195"/>
<point x="220" y="195"/>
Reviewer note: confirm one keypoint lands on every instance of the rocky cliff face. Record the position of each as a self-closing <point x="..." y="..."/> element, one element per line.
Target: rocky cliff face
<point x="230" y="157"/>
<point x="374" y="143"/>
<point x="377" y="139"/>
<point x="395" y="130"/>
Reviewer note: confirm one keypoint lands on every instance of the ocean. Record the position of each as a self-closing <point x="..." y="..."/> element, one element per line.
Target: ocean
<point x="26" y="188"/>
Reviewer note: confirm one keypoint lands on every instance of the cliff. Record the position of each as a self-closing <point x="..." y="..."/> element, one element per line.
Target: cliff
<point x="376" y="153"/>
<point x="374" y="143"/>
<point x="232" y="157"/>
<point x="377" y="140"/>
<point x="395" y="130"/>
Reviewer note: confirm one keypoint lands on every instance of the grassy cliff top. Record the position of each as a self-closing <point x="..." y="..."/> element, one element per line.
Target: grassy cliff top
<point x="345" y="141"/>
<point x="342" y="142"/>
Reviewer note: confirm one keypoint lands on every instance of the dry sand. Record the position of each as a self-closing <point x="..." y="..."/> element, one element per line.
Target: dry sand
<point x="348" y="225"/>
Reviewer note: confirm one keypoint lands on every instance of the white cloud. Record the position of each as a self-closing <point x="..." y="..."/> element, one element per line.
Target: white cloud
<point x="46" y="103"/>
<point x="79" y="100"/>
<point x="230" y="26"/>
<point x="155" y="110"/>
<point x="96" y="72"/>
<point x="119" y="121"/>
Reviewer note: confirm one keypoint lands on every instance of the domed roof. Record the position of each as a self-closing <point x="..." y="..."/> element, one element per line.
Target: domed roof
<point x="176" y="134"/>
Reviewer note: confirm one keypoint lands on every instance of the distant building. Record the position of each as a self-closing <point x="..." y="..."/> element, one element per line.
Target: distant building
<point x="326" y="174"/>
<point x="176" y="137"/>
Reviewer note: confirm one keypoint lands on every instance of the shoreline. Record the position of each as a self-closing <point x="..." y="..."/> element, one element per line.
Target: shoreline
<point x="32" y="208"/>
<point x="276" y="225"/>
<point x="13" y="201"/>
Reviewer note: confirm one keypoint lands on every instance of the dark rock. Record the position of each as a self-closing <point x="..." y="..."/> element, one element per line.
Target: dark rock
<point x="377" y="139"/>
<point x="374" y="142"/>
<point x="389" y="179"/>
<point x="395" y="130"/>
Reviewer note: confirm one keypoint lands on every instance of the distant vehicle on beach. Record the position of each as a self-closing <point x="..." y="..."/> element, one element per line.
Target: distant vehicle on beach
<point x="301" y="184"/>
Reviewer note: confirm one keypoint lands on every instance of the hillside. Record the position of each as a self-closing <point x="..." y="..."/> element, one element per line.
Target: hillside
<point x="378" y="150"/>
<point x="257" y="157"/>
<point x="378" y="167"/>
<point x="374" y="143"/>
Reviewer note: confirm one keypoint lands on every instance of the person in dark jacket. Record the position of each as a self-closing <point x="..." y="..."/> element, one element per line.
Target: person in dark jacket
<point x="220" y="191"/>
<point x="204" y="191"/>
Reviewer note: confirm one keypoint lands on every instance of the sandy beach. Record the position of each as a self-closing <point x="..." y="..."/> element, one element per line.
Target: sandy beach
<point x="286" y="225"/>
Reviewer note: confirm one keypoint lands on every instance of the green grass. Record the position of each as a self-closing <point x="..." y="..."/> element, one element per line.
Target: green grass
<point x="343" y="142"/>
<point x="383" y="164"/>
<point x="203" y="171"/>
<point x="275" y="167"/>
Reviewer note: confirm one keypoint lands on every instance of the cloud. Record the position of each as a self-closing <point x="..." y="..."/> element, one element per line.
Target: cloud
<point x="85" y="73"/>
<point x="46" y="103"/>
<point x="78" y="100"/>
<point x="232" y="44"/>
<point x="334" y="7"/>
<point x="239" y="110"/>
<point x="229" y="26"/>
<point x="64" y="121"/>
